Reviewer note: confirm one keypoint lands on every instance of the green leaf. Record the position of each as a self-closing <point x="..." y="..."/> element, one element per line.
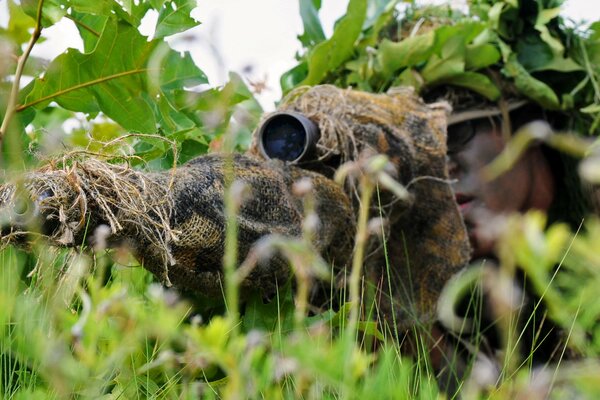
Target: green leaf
<point x="409" y="77"/>
<point x="508" y="23"/>
<point x="90" y="28"/>
<point x="592" y="45"/>
<point x="330" y="54"/>
<point x="292" y="78"/>
<point x="450" y="51"/>
<point x="409" y="52"/>
<point x="103" y="7"/>
<point x="438" y="69"/>
<point x="108" y="79"/>
<point x="192" y="147"/>
<point x="94" y="138"/>
<point x="533" y="53"/>
<point x="132" y="11"/>
<point x="476" y="82"/>
<point x="545" y="16"/>
<point x="313" y="31"/>
<point x="378" y="20"/>
<point x="591" y="109"/>
<point x="560" y="65"/>
<point x="275" y="316"/>
<point x="169" y="118"/>
<point x="174" y="17"/>
<point x="505" y="50"/>
<point x="529" y="86"/>
<point x="114" y="79"/>
<point x="177" y="71"/>
<point x="157" y="4"/>
<point x="52" y="11"/>
<point x="19" y="24"/>
<point x="481" y="56"/>
<point x="453" y="45"/>
<point x="376" y="9"/>
<point x="494" y="14"/>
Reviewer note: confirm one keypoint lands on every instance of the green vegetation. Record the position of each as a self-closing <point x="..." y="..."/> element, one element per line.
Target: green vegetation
<point x="497" y="47"/>
<point x="96" y="325"/>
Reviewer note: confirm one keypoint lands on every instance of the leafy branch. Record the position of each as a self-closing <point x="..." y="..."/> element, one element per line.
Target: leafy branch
<point x="11" y="108"/>
<point x="80" y="86"/>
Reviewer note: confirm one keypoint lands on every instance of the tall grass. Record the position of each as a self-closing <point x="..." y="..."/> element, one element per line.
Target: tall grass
<point x="69" y="331"/>
<point x="79" y="324"/>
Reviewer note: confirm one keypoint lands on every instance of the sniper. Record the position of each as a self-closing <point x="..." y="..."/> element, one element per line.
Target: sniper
<point x="385" y="160"/>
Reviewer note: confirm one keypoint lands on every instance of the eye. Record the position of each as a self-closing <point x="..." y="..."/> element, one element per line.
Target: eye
<point x="459" y="135"/>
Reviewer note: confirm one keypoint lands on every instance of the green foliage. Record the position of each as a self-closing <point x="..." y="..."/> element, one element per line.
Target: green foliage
<point x="174" y="17"/>
<point x="75" y="326"/>
<point x="427" y="47"/>
<point x="114" y="79"/>
<point x="570" y="293"/>
<point x="313" y="31"/>
<point x="69" y="334"/>
<point x="330" y="54"/>
<point x="525" y="83"/>
<point x="19" y="24"/>
<point x="142" y="85"/>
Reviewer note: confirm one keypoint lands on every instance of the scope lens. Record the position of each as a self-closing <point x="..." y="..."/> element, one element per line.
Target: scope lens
<point x="284" y="138"/>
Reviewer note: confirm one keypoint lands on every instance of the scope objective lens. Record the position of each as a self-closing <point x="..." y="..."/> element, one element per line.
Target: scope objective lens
<point x="284" y="138"/>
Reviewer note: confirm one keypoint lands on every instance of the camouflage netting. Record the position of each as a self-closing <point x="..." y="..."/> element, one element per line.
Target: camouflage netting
<point x="174" y="221"/>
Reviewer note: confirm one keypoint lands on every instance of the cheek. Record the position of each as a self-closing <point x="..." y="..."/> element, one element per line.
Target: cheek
<point x="509" y="192"/>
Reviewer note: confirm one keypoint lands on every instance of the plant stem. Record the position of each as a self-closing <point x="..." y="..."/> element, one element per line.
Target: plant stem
<point x="14" y="92"/>
<point x="232" y="203"/>
<point x="362" y="235"/>
<point x="231" y="246"/>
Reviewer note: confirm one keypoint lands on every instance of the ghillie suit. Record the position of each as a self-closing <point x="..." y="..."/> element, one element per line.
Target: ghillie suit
<point x="174" y="221"/>
<point x="426" y="239"/>
<point x="494" y="54"/>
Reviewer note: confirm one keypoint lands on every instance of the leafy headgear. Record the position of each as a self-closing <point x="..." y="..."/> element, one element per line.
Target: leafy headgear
<point x="493" y="51"/>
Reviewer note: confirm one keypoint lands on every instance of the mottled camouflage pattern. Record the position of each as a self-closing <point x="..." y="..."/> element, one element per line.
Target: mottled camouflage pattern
<point x="426" y="243"/>
<point x="269" y="208"/>
<point x="174" y="221"/>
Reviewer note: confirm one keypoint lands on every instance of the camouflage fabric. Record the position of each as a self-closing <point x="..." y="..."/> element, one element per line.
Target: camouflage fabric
<point x="270" y="208"/>
<point x="426" y="240"/>
<point x="175" y="222"/>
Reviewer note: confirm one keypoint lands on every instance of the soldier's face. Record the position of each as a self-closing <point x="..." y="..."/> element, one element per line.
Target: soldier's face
<point x="471" y="146"/>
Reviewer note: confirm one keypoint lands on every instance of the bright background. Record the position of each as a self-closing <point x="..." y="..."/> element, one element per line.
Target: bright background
<point x="255" y="38"/>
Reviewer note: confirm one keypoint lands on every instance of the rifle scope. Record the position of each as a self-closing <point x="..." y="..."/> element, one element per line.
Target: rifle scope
<point x="288" y="136"/>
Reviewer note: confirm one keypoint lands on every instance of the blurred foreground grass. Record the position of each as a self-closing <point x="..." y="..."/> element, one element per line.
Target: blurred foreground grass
<point x="66" y="334"/>
<point x="69" y="331"/>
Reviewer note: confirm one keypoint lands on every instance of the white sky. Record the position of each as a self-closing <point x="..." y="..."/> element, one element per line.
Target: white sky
<point x="254" y="38"/>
